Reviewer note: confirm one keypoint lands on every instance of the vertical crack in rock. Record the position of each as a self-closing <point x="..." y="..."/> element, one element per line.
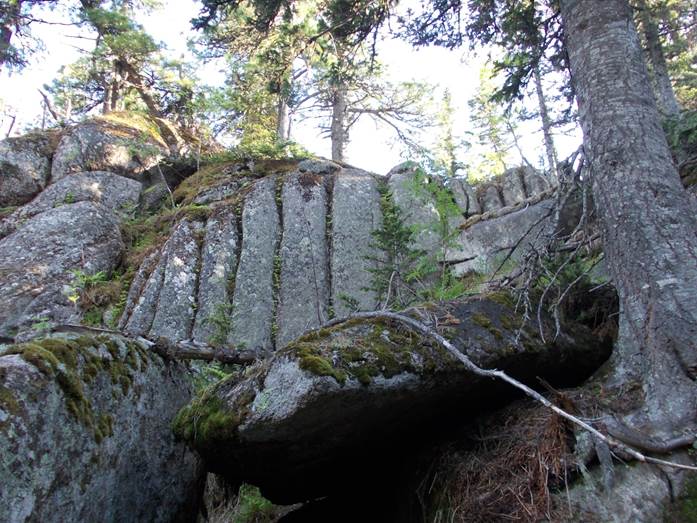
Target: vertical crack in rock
<point x="356" y="214"/>
<point x="418" y="207"/>
<point x="174" y="314"/>
<point x="304" y="294"/>
<point x="253" y="301"/>
<point x="219" y="256"/>
<point x="512" y="187"/>
<point x="329" y="184"/>
<point x="137" y="289"/>
<point x="143" y="313"/>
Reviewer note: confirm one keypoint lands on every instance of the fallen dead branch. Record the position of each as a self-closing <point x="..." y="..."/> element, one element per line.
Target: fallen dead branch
<point x="613" y="442"/>
<point x="181" y="350"/>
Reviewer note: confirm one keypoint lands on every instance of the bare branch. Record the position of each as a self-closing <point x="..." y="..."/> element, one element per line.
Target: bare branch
<point x="613" y="442"/>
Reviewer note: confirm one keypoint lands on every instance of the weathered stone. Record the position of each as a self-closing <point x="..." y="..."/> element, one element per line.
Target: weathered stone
<point x="417" y="205"/>
<point x="174" y="312"/>
<point x="512" y="186"/>
<point x="355" y="215"/>
<point x="640" y="493"/>
<point x="312" y="419"/>
<point x="489" y="197"/>
<point x="25" y="167"/>
<point x="218" y="265"/>
<point x="36" y="262"/>
<point x="105" y="145"/>
<point x="318" y="166"/>
<point x="460" y="195"/>
<point x="535" y="183"/>
<point x="253" y="303"/>
<point x="85" y="434"/>
<point x="137" y="289"/>
<point x="113" y="192"/>
<point x="304" y="292"/>
<point x="484" y="245"/>
<point x="145" y="306"/>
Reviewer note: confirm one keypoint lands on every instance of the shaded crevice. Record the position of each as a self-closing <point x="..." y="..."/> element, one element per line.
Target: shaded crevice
<point x="199" y="234"/>
<point x="329" y="239"/>
<point x="276" y="278"/>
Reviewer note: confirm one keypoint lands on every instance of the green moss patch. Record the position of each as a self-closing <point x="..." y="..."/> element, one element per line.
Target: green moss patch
<point x="75" y="363"/>
<point x="252" y="507"/>
<point x="363" y="350"/>
<point x="209" y="420"/>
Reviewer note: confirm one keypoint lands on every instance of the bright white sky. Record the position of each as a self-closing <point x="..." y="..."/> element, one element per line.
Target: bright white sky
<point x="372" y="148"/>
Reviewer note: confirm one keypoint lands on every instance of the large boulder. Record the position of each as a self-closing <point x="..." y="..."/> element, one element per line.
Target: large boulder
<point x="484" y="245"/>
<point x="285" y="245"/>
<point x="315" y="417"/>
<point x="115" y="193"/>
<point x="84" y="433"/>
<point x="126" y="145"/>
<point x="38" y="263"/>
<point x="25" y="167"/>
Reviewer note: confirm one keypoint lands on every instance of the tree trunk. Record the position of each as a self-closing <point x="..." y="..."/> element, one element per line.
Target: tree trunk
<point x="546" y="123"/>
<point x="282" y="127"/>
<point x="338" y="125"/>
<point x="647" y="218"/>
<point x="663" y="89"/>
<point x="10" y="17"/>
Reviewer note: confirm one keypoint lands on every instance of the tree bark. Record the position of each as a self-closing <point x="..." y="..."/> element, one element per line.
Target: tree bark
<point x="647" y="219"/>
<point x="546" y="123"/>
<point x="338" y="125"/>
<point x="282" y="127"/>
<point x="10" y="12"/>
<point x="663" y="89"/>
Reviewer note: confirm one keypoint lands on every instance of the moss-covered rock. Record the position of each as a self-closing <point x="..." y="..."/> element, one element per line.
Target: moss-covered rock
<point x="335" y="398"/>
<point x="84" y="432"/>
<point x="126" y="144"/>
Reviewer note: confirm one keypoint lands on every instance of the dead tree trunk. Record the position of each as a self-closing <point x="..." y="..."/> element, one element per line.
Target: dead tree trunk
<point x="338" y="125"/>
<point x="663" y="89"/>
<point x="282" y="127"/>
<point x="648" y="220"/>
<point x="546" y="123"/>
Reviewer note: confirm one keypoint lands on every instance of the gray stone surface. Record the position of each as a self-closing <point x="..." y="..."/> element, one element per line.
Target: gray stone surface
<point x="36" y="262"/>
<point x="641" y="493"/>
<point x="535" y="183"/>
<point x="218" y="265"/>
<point x="512" y="186"/>
<point x="134" y="293"/>
<point x="25" y="167"/>
<point x="113" y="192"/>
<point x="482" y="246"/>
<point x="252" y="315"/>
<point x="460" y="195"/>
<point x="355" y="215"/>
<point x="304" y="289"/>
<point x="318" y="167"/>
<point x="176" y="302"/>
<point x="311" y="420"/>
<point x="116" y="460"/>
<point x="489" y="197"/>
<point x="99" y="145"/>
<point x="145" y="299"/>
<point x="417" y="206"/>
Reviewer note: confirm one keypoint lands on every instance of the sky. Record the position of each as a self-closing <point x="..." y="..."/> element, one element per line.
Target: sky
<point x="371" y="147"/>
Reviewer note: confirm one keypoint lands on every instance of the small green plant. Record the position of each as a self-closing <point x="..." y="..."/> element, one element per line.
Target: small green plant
<point x="393" y="242"/>
<point x="69" y="198"/>
<point x="221" y="323"/>
<point x="92" y="293"/>
<point x="252" y="507"/>
<point x="349" y="302"/>
<point x="40" y="324"/>
<point x="207" y="374"/>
